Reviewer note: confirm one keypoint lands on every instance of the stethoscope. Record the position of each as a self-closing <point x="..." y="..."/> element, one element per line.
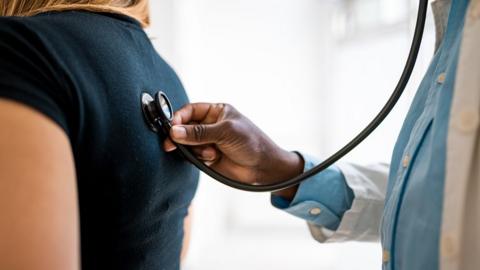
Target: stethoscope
<point x="158" y="113"/>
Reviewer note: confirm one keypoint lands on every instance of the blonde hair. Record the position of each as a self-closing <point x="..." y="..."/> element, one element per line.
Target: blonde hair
<point x="137" y="9"/>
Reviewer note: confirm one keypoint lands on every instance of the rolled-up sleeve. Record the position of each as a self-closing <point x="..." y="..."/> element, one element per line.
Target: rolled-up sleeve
<point x="321" y="200"/>
<point x="344" y="202"/>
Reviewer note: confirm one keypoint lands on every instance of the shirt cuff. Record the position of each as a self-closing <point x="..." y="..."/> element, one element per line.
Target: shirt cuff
<point x="321" y="200"/>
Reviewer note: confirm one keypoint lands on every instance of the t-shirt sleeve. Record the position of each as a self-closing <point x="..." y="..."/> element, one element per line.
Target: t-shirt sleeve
<point x="30" y="75"/>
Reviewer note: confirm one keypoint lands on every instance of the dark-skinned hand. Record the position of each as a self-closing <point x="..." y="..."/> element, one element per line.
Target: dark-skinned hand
<point x="231" y="144"/>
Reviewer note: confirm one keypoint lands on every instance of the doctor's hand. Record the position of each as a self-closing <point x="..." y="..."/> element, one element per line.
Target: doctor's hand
<point x="231" y="144"/>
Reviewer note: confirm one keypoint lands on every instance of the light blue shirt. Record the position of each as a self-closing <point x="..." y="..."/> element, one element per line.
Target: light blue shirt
<point x="412" y="216"/>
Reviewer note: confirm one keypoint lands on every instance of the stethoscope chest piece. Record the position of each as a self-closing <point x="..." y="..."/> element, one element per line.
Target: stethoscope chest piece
<point x="158" y="115"/>
<point x="158" y="111"/>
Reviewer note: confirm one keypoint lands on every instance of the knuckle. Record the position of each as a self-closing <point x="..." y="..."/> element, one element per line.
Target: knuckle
<point x="218" y="108"/>
<point x="227" y="107"/>
<point x="199" y="132"/>
<point x="230" y="112"/>
<point x="229" y="125"/>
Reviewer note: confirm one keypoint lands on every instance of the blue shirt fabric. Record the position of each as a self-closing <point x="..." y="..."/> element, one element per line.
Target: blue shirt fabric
<point x="327" y="191"/>
<point x="412" y="216"/>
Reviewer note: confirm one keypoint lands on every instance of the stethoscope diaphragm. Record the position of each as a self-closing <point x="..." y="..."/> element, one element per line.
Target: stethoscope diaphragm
<point x="158" y="111"/>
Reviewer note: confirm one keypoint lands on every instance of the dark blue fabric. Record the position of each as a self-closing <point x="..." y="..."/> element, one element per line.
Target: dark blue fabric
<point x="86" y="71"/>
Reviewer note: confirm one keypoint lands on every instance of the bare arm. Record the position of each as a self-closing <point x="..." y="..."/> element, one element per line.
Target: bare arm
<point x="39" y="223"/>
<point x="187" y="232"/>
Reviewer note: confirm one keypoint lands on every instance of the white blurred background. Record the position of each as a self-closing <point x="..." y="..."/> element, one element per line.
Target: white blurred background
<point x="311" y="73"/>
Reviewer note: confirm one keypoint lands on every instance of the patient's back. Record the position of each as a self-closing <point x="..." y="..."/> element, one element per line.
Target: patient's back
<point x="87" y="71"/>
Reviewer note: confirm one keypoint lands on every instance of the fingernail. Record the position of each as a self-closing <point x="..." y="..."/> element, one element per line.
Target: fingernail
<point x="170" y="148"/>
<point x="177" y="119"/>
<point x="179" y="132"/>
<point x="208" y="154"/>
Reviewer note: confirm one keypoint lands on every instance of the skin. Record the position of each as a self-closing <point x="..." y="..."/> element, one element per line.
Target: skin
<point x="231" y="144"/>
<point x="39" y="220"/>
<point x="39" y="224"/>
<point x="187" y="231"/>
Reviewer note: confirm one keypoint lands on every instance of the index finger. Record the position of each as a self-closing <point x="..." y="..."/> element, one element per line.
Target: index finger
<point x="205" y="113"/>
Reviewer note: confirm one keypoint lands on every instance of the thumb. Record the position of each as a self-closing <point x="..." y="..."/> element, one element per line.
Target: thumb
<point x="195" y="134"/>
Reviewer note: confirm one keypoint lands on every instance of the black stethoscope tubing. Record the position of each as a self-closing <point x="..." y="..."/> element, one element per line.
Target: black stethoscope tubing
<point x="158" y="114"/>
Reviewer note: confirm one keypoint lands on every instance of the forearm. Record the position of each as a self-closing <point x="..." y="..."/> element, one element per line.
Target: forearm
<point x="187" y="231"/>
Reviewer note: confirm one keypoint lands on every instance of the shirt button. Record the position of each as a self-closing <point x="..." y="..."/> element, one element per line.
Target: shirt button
<point x="448" y="247"/>
<point x="385" y="256"/>
<point x="466" y="121"/>
<point x="315" y="211"/>
<point x="406" y="161"/>
<point x="441" y="78"/>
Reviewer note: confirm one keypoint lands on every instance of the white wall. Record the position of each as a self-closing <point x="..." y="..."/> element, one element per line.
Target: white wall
<point x="278" y="62"/>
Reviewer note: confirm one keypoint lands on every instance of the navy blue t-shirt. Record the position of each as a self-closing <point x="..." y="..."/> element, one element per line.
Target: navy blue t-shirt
<point x="87" y="71"/>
